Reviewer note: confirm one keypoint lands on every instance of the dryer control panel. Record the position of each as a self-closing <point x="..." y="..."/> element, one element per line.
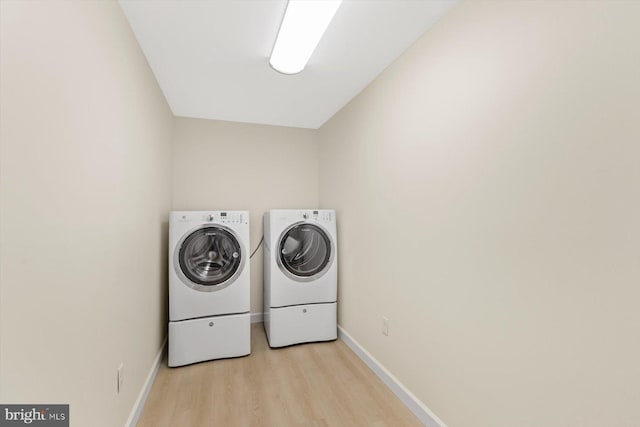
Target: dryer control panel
<point x="225" y="217"/>
<point x="318" y="215"/>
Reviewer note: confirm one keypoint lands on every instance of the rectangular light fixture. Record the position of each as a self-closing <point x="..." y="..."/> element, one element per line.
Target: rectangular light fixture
<point x="303" y="25"/>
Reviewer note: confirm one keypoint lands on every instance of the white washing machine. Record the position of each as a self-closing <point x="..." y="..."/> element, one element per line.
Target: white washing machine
<point x="300" y="276"/>
<point x="209" y="286"/>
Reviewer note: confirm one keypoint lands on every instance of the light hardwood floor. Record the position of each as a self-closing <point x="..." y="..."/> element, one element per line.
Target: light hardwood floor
<point x="320" y="384"/>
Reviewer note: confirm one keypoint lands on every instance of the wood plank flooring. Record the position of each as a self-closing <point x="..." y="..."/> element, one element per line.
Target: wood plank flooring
<point x="320" y="384"/>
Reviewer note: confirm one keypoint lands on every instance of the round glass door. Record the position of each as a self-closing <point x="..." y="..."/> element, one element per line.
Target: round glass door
<point x="305" y="251"/>
<point x="210" y="257"/>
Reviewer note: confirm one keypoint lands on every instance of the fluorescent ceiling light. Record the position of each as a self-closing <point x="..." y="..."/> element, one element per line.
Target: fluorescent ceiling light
<point x="303" y="25"/>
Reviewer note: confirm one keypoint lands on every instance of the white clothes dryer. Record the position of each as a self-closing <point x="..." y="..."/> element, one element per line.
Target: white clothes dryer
<point x="209" y="286"/>
<point x="300" y="276"/>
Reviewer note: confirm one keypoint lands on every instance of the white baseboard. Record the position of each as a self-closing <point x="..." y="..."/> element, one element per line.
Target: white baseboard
<point x="136" y="411"/>
<point x="419" y="409"/>
<point x="256" y="317"/>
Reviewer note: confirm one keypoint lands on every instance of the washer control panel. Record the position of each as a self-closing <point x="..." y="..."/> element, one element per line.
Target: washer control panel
<point x="225" y="217"/>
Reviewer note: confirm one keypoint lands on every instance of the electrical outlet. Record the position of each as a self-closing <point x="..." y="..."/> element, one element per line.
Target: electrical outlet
<point x="120" y="376"/>
<point x="385" y="326"/>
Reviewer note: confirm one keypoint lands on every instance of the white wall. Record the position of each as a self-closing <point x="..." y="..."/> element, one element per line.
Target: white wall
<point x="224" y="165"/>
<point x="487" y="187"/>
<point x="85" y="191"/>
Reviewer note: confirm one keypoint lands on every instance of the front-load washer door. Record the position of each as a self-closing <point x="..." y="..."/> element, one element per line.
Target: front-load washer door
<point x="209" y="258"/>
<point x="305" y="251"/>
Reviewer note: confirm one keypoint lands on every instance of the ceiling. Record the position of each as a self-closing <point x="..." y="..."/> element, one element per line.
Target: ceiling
<point x="211" y="57"/>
